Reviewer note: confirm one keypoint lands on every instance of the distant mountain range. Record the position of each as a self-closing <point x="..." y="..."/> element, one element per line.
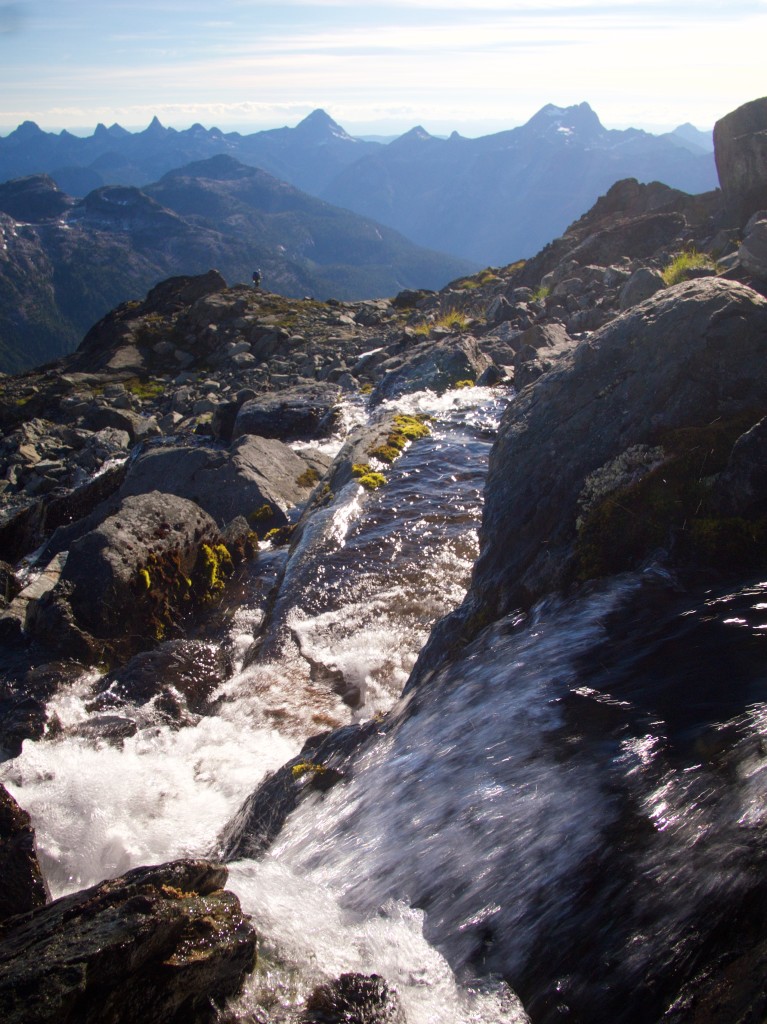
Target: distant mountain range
<point x="308" y="156"/>
<point x="490" y="200"/>
<point x="65" y="262"/>
<point x="504" y="196"/>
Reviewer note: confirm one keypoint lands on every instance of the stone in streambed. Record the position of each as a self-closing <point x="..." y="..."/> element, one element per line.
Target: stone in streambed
<point x="353" y="999"/>
<point x="163" y="944"/>
<point x="128" y="580"/>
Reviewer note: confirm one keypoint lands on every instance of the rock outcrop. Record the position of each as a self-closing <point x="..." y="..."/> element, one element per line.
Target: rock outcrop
<point x="740" y="148"/>
<point x="162" y="944"/>
<point x="127" y="581"/>
<point x="684" y="359"/>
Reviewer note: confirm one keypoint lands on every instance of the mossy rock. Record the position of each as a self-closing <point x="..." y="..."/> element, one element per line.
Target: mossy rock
<point x="671" y="509"/>
<point x="404" y="429"/>
<point x="367" y="477"/>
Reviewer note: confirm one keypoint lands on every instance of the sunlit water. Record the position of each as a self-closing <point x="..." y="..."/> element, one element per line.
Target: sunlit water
<point x="598" y="769"/>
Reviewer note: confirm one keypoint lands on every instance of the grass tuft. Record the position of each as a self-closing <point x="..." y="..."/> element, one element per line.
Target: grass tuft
<point x="681" y="265"/>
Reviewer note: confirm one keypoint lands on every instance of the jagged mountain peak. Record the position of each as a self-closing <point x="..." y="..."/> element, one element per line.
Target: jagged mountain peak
<point x="319" y="125"/>
<point x="577" y="119"/>
<point x="155" y="127"/>
<point x="114" y="131"/>
<point x="415" y="136"/>
<point x="26" y="130"/>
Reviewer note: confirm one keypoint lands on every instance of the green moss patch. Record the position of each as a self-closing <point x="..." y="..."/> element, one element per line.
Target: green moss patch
<point x="308" y="478"/>
<point x="367" y="477"/>
<point x="213" y="565"/>
<point x="167" y="593"/>
<point x="305" y="767"/>
<point x="279" y="535"/>
<point x="145" y="390"/>
<point x="385" y="452"/>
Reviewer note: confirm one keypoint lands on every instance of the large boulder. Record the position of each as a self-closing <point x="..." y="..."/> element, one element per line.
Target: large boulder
<point x="163" y="944"/>
<point x="437" y="366"/>
<point x="740" y="149"/>
<point x="645" y="391"/>
<point x="23" y="886"/>
<point x="254" y="473"/>
<point x="126" y="582"/>
<point x="299" y="413"/>
<point x="643" y="283"/>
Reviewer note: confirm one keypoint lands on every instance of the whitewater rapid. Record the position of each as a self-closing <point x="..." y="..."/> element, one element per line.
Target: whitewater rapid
<point x="404" y="557"/>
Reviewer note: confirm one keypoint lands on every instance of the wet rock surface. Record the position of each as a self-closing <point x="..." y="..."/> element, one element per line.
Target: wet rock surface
<point x="353" y="999"/>
<point x="23" y="886"/>
<point x="161" y="943"/>
<point x="324" y="761"/>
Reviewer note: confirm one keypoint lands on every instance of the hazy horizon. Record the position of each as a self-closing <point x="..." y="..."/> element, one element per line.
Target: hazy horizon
<point x="377" y="69"/>
<point x="361" y="130"/>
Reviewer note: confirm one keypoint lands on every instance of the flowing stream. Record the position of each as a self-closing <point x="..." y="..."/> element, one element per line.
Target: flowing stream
<point x="391" y="563"/>
<point x="593" y="771"/>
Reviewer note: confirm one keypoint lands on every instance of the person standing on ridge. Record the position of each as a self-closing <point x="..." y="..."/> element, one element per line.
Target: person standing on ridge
<point x="257" y="278"/>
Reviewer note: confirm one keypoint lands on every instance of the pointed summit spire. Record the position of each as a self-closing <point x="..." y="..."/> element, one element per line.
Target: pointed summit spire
<point x="154" y="128"/>
<point x="320" y="125"/>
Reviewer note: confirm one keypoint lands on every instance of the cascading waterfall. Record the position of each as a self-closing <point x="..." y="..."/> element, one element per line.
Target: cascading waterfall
<point x="399" y="559"/>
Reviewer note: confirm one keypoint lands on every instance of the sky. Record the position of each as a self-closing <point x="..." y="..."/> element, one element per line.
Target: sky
<point x="377" y="68"/>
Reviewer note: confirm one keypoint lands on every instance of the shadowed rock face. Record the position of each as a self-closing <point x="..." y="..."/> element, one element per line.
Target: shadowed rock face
<point x="688" y="355"/>
<point x="160" y="944"/>
<point x="740" y="148"/>
<point x="23" y="887"/>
